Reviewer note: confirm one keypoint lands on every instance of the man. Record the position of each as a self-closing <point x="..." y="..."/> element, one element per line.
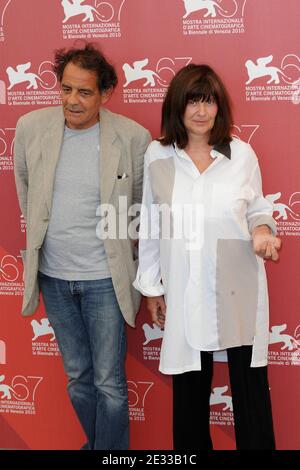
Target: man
<point x="68" y="160"/>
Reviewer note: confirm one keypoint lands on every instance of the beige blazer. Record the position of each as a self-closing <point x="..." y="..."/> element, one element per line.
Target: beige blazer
<point x="123" y="142"/>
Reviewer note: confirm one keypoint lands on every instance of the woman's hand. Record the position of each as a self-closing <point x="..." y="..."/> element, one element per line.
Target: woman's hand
<point x="265" y="244"/>
<point x="157" y="308"/>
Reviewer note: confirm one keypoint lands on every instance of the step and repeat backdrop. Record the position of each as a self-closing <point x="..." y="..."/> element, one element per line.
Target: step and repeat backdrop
<point x="254" y="45"/>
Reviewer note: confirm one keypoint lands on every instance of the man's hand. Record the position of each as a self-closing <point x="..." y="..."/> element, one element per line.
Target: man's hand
<point x="265" y="244"/>
<point x="157" y="308"/>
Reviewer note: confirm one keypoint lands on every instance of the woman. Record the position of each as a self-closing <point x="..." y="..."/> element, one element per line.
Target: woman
<point x="205" y="284"/>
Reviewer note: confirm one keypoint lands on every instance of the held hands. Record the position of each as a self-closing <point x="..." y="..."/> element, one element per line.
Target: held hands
<point x="157" y="308"/>
<point x="265" y="244"/>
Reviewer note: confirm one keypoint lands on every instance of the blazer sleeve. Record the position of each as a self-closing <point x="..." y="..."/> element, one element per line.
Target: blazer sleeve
<point x="20" y="168"/>
<point x="140" y="148"/>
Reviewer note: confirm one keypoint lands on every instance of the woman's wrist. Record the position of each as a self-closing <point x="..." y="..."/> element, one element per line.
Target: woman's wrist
<point x="261" y="229"/>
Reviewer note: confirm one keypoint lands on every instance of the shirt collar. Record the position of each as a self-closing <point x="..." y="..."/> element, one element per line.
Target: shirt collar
<point x="224" y="149"/>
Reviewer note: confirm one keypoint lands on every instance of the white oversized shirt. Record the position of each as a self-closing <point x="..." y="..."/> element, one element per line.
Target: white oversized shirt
<point x="200" y="255"/>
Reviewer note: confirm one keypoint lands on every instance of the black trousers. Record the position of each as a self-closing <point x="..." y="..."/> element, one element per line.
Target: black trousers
<point x="250" y="399"/>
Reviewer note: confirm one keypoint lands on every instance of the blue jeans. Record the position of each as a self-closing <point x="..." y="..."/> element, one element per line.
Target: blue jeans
<point x="90" y="331"/>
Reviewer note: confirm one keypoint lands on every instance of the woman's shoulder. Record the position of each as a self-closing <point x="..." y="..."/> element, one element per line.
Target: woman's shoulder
<point x="239" y="144"/>
<point x="156" y="151"/>
<point x="241" y="149"/>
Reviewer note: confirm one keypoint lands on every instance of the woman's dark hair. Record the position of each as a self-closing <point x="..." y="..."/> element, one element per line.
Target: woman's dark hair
<point x="199" y="83"/>
<point x="89" y="58"/>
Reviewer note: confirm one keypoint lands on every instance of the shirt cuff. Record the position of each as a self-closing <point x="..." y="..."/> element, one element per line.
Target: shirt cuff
<point x="146" y="288"/>
<point x="262" y="219"/>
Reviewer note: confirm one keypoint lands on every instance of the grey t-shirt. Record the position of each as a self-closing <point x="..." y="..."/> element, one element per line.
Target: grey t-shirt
<point x="71" y="249"/>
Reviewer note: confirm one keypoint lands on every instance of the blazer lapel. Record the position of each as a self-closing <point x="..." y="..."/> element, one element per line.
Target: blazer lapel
<point x="109" y="155"/>
<point x="51" y="145"/>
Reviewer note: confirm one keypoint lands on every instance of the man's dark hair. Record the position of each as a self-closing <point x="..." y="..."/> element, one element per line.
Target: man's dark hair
<point x="199" y="83"/>
<point x="88" y="58"/>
